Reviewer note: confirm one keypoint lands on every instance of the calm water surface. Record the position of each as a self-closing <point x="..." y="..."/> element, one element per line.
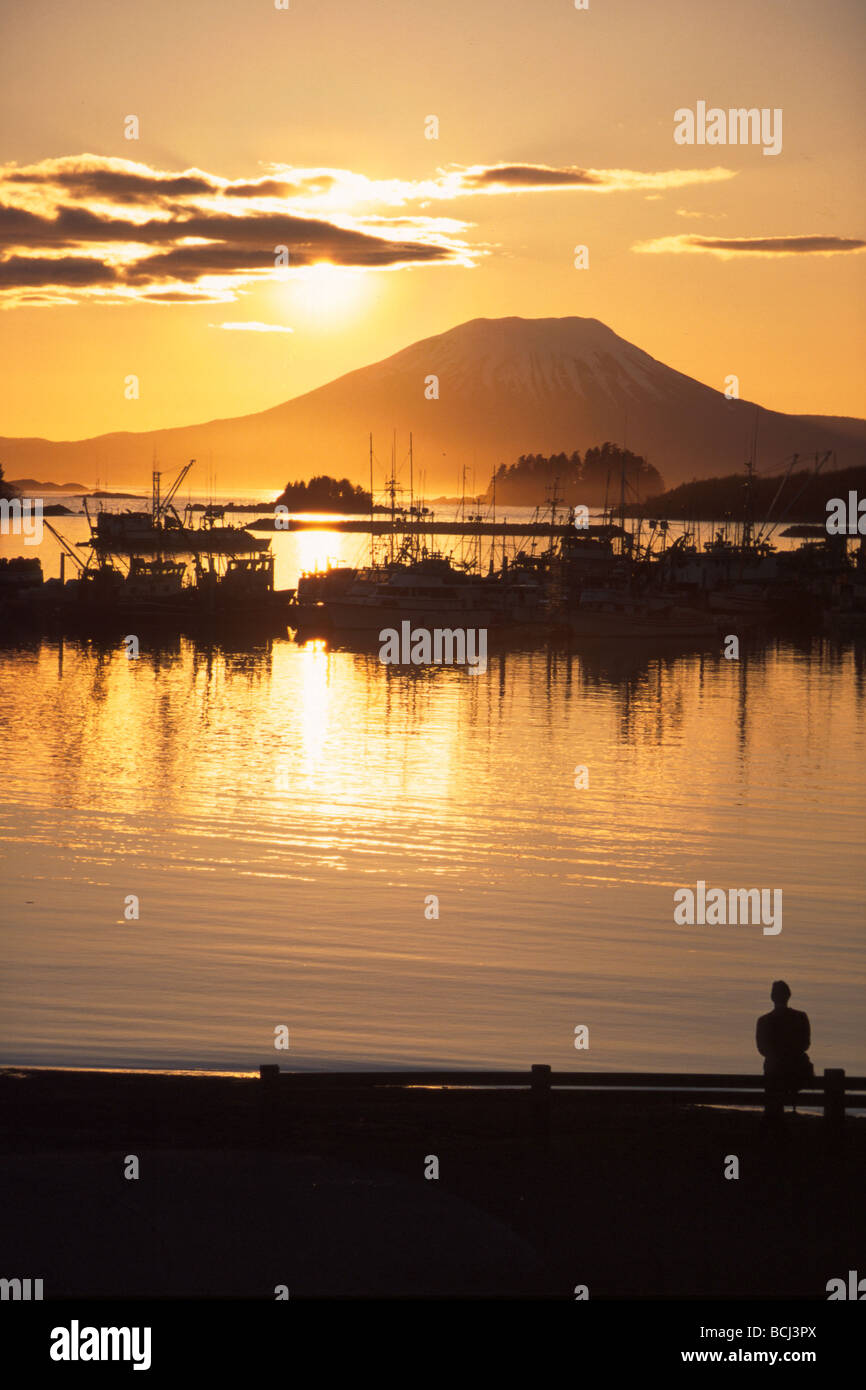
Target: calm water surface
<point x="282" y="814"/>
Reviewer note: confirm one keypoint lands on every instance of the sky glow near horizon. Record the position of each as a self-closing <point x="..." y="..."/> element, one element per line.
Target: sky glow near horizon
<point x="306" y="127"/>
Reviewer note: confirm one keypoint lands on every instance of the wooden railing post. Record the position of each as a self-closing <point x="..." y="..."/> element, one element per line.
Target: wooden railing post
<point x="834" y="1096"/>
<point x="540" y="1097"/>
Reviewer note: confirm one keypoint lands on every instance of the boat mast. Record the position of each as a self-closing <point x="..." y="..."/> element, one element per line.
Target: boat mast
<point x="413" y="538"/>
<point x="750" y="473"/>
<point x="372" y="537"/>
<point x="393" y="489"/>
<point x="747" y="509"/>
<point x="622" y="498"/>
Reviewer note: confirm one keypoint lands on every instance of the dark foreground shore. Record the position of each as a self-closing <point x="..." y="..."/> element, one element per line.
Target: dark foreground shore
<point x="325" y="1193"/>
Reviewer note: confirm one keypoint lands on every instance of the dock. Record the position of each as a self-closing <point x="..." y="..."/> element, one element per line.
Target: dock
<point x="405" y="526"/>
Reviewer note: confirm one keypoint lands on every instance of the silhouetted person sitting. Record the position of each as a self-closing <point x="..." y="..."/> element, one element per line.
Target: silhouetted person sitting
<point x="783" y="1038"/>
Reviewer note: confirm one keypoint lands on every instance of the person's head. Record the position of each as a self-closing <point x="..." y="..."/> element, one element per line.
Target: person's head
<point x="780" y="993"/>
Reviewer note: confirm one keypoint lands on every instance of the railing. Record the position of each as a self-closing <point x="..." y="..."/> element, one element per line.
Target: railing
<point x="834" y="1092"/>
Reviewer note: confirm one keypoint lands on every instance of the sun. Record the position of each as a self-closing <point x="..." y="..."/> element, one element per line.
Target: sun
<point x="327" y="292"/>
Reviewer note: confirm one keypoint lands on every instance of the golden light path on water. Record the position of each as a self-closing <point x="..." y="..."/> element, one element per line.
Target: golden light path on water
<point x="283" y="814"/>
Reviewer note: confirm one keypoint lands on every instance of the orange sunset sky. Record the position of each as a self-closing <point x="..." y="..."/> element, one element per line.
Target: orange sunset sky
<point x="259" y="126"/>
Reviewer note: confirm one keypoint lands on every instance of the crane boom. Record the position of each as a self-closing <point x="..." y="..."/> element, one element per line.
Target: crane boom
<point x="166" y="502"/>
<point x="66" y="546"/>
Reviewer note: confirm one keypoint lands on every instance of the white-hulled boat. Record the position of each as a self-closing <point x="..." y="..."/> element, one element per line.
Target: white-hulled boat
<point x="428" y="592"/>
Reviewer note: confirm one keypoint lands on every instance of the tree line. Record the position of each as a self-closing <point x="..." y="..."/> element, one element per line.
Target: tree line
<point x="601" y="475"/>
<point x="803" y="499"/>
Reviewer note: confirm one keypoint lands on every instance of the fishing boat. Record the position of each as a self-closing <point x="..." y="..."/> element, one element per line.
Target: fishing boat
<point x="21" y="581"/>
<point x="108" y="593"/>
<point x="18" y="574"/>
<point x="618" y="613"/>
<point x="240" y="587"/>
<point x="429" y="592"/>
<point x="148" y="589"/>
<point x="164" y="529"/>
<point x="750" y="601"/>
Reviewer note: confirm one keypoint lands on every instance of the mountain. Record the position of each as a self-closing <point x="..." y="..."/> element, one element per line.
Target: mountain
<point x="31" y="487"/>
<point x="506" y="387"/>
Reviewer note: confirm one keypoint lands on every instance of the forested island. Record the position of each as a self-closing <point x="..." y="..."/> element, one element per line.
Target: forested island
<point x="324" y="494"/>
<point x="602" y="475"/>
<point x="803" y="497"/>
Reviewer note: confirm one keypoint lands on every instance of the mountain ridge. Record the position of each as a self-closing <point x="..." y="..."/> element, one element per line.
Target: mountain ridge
<point x="506" y="386"/>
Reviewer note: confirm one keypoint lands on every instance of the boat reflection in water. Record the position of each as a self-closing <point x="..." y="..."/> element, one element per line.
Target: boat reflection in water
<point x="612" y="613"/>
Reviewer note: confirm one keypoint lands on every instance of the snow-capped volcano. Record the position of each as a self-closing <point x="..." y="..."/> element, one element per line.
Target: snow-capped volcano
<point x="478" y="395"/>
<point x="538" y="359"/>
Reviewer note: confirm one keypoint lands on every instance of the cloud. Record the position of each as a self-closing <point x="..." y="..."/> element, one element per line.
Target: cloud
<point x="511" y="178"/>
<point x="515" y="176"/>
<point x="123" y="181"/>
<point x="87" y="174"/>
<point x="254" y="327"/>
<point x="45" y="272"/>
<point x="305" y="186"/>
<point x="204" y="296"/>
<point x="89" y="227"/>
<point x="727" y="247"/>
<point x="112" y="231"/>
